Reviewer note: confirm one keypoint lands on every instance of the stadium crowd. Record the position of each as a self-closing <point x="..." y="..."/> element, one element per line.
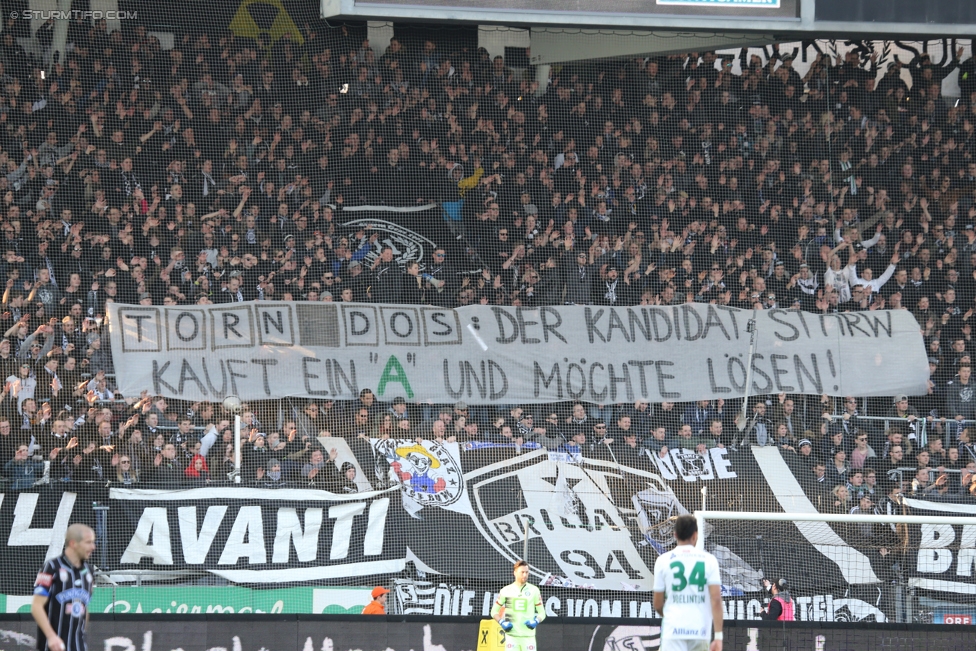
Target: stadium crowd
<point x="218" y="171"/>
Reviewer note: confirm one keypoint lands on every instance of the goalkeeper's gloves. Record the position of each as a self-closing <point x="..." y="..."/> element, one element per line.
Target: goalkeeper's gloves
<point x="532" y="623"/>
<point x="506" y="625"/>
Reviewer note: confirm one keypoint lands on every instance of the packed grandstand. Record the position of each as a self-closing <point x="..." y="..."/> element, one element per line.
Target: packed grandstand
<point x="228" y="169"/>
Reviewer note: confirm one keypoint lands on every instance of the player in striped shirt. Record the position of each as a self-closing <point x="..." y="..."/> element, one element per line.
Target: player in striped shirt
<point x="62" y="592"/>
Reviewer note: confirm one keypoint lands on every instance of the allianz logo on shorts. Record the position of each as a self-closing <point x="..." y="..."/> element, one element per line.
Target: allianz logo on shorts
<point x="688" y="632"/>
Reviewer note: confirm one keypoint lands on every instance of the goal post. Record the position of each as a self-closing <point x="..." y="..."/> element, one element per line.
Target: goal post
<point x="899" y="563"/>
<point x="704" y="516"/>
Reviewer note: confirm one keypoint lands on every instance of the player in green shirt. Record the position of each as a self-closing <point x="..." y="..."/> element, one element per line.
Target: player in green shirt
<point x="519" y="610"/>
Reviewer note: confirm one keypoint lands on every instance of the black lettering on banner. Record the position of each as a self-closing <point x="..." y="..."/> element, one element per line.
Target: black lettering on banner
<point x="506" y="532"/>
<point x="177" y="326"/>
<point x="623" y="379"/>
<point x="643" y="378"/>
<point x="852" y="321"/>
<point x="590" y="320"/>
<point x="330" y="376"/>
<point x="147" y="337"/>
<point x="660" y="315"/>
<point x="526" y="521"/>
<point x="496" y="392"/>
<point x="635" y="324"/>
<point x="501" y="317"/>
<point x="398" y="317"/>
<point x="307" y="377"/>
<point x="575" y="395"/>
<point x="874" y="321"/>
<point x="661" y="377"/>
<point x="830" y="364"/>
<point x="712" y="380"/>
<point x="401" y="326"/>
<point x="447" y="381"/>
<point x="774" y="360"/>
<point x="738" y="385"/>
<point x="546" y="520"/>
<point x="232" y="327"/>
<point x="234" y="375"/>
<point x="267" y="320"/>
<point x="554" y="376"/>
<point x="441" y="327"/>
<point x="138" y="318"/>
<point x="185" y="330"/>
<point x="601" y="396"/>
<point x="776" y="315"/>
<point x="548" y="327"/>
<point x="362" y="325"/>
<point x="275" y="325"/>
<point x="803" y="322"/>
<point x="616" y="324"/>
<point x="621" y="558"/>
<point x="223" y="373"/>
<point x="732" y="313"/>
<point x="692" y="333"/>
<point x="354" y="328"/>
<point x="187" y="374"/>
<point x="837" y="319"/>
<point x="523" y="325"/>
<point x="448" y="328"/>
<point x="264" y="364"/>
<point x="713" y="320"/>
<point x="349" y="380"/>
<point x="761" y="373"/>
<point x="157" y="377"/>
<point x="230" y="322"/>
<point x="472" y="379"/>
<point x="802" y="370"/>
<point x="570" y="557"/>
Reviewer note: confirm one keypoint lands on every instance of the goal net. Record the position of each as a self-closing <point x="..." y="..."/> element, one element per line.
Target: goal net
<point x="886" y="558"/>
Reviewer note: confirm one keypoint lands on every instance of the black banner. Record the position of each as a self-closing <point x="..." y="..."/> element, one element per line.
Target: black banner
<point x="592" y="530"/>
<point x="946" y="557"/>
<point x="33" y="523"/>
<point x="258" y="536"/>
<point x="413" y="233"/>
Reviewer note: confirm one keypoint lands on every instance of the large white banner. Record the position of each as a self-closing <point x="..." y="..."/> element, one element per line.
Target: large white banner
<point x="501" y="355"/>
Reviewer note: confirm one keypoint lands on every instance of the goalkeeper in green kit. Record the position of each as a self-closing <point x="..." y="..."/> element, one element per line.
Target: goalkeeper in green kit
<point x="518" y="610"/>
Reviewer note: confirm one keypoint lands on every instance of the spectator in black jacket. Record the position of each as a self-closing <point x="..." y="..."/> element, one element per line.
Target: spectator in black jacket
<point x="167" y="469"/>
